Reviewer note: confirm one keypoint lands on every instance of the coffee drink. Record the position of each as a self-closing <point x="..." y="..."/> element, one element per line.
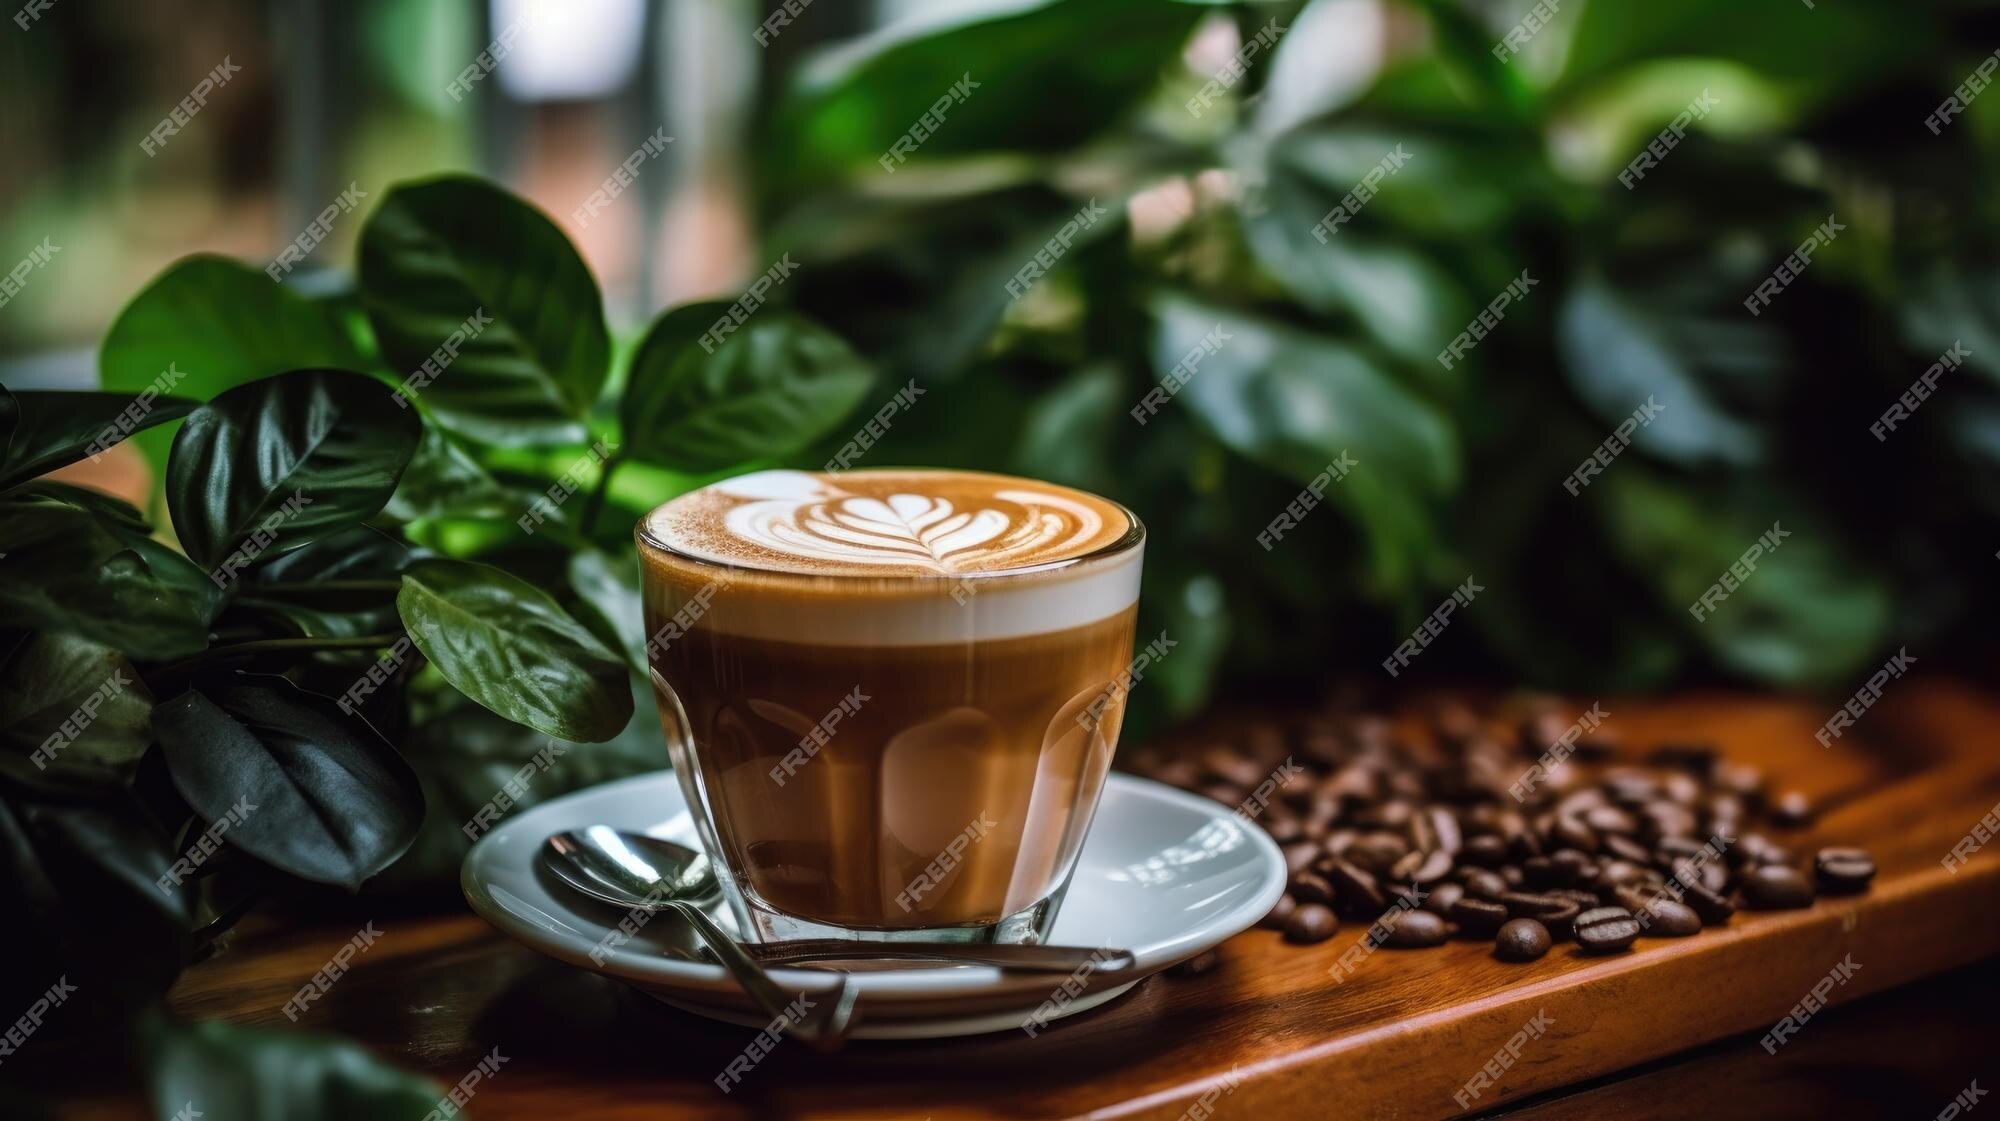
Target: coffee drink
<point x="892" y="695"/>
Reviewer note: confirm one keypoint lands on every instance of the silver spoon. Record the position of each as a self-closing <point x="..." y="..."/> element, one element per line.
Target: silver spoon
<point x="636" y="871"/>
<point x="633" y="870"/>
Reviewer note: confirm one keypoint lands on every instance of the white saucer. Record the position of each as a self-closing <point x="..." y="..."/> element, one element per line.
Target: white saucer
<point x="1163" y="873"/>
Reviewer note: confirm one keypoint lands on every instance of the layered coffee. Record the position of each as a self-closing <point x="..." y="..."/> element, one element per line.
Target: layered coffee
<point x="892" y="695"/>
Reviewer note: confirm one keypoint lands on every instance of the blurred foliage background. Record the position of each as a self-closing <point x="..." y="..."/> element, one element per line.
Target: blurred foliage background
<point x="1513" y="166"/>
<point x="1213" y="163"/>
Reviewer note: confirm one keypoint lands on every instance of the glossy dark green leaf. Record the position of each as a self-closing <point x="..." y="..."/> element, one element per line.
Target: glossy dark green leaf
<point x="304" y="786"/>
<point x="608" y="587"/>
<point x="772" y="386"/>
<point x="845" y="108"/>
<point x="177" y="574"/>
<point x="221" y="1070"/>
<point x="68" y="702"/>
<point x="209" y="323"/>
<point x="337" y="587"/>
<point x="457" y="262"/>
<point x="271" y="465"/>
<point x="503" y="642"/>
<point x="82" y="889"/>
<point x="465" y="754"/>
<point x="63" y="568"/>
<point x="1297" y="402"/>
<point x="445" y="481"/>
<point x="40" y="432"/>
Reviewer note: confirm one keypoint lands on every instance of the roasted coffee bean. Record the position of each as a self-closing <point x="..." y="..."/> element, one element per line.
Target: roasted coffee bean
<point x="1312" y="922"/>
<point x="1413" y="929"/>
<point x="1441" y="897"/>
<point x="1610" y="819"/>
<point x="1741" y="779"/>
<point x="1681" y="789"/>
<point x="1377" y="851"/>
<point x="1538" y="872"/>
<point x="1604" y="930"/>
<point x="1626" y="849"/>
<point x="1792" y="810"/>
<point x="1521" y="940"/>
<point x="1358" y="893"/>
<point x="1445" y="830"/>
<point x="1275" y="918"/>
<point x="1197" y="965"/>
<point x="1179" y="772"/>
<point x="1621" y="873"/>
<point x="1527" y="905"/>
<point x="1843" y="871"/>
<point x="1386" y="815"/>
<point x="1284" y="829"/>
<point x="1671" y="849"/>
<point x="1775" y="887"/>
<point x="1665" y="819"/>
<point x="1222" y="792"/>
<point x="1558" y="921"/>
<point x="1512" y="876"/>
<point x="1578" y="896"/>
<point x="1486" y="851"/>
<point x="1433" y="868"/>
<point x="1222" y="762"/>
<point x="1630" y="788"/>
<point x="1713" y="906"/>
<point x="1299" y="855"/>
<point x="1571" y="865"/>
<point x="1659" y="915"/>
<point x="1572" y="834"/>
<point x="1485" y="885"/>
<point x="1478" y="916"/>
<point x="1311" y="887"/>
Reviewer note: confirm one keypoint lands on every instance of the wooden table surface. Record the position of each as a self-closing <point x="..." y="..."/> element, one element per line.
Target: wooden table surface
<point x="1269" y="1033"/>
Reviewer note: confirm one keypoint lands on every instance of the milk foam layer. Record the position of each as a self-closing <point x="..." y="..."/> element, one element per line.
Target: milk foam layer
<point x="897" y="557"/>
<point x="886" y="523"/>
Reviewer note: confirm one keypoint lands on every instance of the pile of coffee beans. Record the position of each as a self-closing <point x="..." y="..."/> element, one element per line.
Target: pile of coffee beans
<point x="1455" y="825"/>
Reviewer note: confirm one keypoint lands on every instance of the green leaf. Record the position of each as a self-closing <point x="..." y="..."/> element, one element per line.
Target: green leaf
<point x="456" y="258"/>
<point x="609" y="589"/>
<point x="63" y="568"/>
<point x="466" y="755"/>
<point x="773" y="386"/>
<point x="222" y="1070"/>
<point x="40" y="432"/>
<point x="209" y="323"/>
<point x="1296" y="402"/>
<point x="304" y="787"/>
<point x="848" y="105"/>
<point x="1068" y="433"/>
<point x="287" y="459"/>
<point x="445" y="481"/>
<point x="506" y="644"/>
<point x="1620" y="352"/>
<point x="1811" y="613"/>
<point x="80" y="876"/>
<point x="78" y="704"/>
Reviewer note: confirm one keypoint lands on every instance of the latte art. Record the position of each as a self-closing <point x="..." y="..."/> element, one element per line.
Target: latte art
<point x="887" y="522"/>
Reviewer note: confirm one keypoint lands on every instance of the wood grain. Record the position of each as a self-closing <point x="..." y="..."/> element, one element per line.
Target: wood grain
<point x="1269" y="1032"/>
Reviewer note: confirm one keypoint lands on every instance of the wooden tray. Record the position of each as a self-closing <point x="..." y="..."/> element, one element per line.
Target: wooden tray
<point x="1268" y="1034"/>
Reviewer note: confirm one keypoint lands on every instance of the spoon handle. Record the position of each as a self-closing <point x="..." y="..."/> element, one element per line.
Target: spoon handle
<point x="823" y="1022"/>
<point x="1025" y="958"/>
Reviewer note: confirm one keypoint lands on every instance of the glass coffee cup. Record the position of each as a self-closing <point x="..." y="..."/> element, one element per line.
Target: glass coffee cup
<point x="891" y="696"/>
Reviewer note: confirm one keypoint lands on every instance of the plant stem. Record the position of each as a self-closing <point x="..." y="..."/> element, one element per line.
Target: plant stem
<point x="358" y="642"/>
<point x="595" y="502"/>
